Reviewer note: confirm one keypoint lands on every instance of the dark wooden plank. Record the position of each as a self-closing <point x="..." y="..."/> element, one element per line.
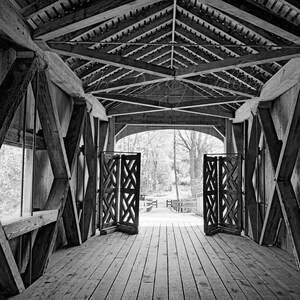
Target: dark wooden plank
<point x="13" y="89"/>
<point x="14" y="137"/>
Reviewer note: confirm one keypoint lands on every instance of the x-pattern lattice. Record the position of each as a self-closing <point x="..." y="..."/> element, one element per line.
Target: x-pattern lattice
<point x="222" y="194"/>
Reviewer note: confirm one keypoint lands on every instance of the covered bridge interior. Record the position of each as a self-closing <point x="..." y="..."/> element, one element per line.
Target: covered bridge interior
<point x="77" y="75"/>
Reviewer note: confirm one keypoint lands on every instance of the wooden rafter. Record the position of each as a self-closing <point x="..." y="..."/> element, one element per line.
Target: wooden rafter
<point x="220" y="85"/>
<point x="37" y="7"/>
<point x="92" y="14"/>
<point x="111" y="59"/>
<point x="239" y="62"/>
<point x="257" y="16"/>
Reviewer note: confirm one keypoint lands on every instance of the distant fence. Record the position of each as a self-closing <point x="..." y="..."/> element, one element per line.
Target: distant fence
<point x="147" y="204"/>
<point x="182" y="206"/>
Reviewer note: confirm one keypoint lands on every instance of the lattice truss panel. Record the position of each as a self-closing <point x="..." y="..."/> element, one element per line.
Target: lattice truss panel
<point x="222" y="194"/>
<point x="228" y="191"/>
<point x="129" y="198"/>
<point x="210" y="192"/>
<point x="109" y="189"/>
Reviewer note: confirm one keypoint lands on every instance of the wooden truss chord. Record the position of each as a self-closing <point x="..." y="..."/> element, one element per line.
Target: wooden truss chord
<point x="12" y="90"/>
<point x="250" y="197"/>
<point x="282" y="191"/>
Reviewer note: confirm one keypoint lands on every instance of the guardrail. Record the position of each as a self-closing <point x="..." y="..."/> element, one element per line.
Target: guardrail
<point x="182" y="206"/>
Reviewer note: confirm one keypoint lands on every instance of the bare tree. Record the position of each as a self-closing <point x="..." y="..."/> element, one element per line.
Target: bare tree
<point x="196" y="144"/>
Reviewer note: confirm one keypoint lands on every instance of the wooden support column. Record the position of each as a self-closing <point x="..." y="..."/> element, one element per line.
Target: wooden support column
<point x="46" y="236"/>
<point x="111" y="135"/>
<point x="250" y="197"/>
<point x="103" y="136"/>
<point x="89" y="203"/>
<point x="10" y="278"/>
<point x="282" y="185"/>
<point x="228" y="137"/>
<point x="13" y="89"/>
<point x="273" y="214"/>
<point x="238" y="137"/>
<point x="72" y="141"/>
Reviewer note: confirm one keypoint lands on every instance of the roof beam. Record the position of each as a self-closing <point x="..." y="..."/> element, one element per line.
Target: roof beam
<point x="220" y="86"/>
<point x="129" y="109"/>
<point x="133" y="100"/>
<point x="112" y="59"/>
<point x="257" y="16"/>
<point x="107" y="86"/>
<point x="94" y="13"/>
<point x="170" y="118"/>
<point x="37" y="7"/>
<point x="239" y="62"/>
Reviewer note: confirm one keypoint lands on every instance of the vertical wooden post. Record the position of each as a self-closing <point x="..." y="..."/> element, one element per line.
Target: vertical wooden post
<point x="238" y="137"/>
<point x="111" y="135"/>
<point x="228" y="137"/>
<point x="250" y="197"/>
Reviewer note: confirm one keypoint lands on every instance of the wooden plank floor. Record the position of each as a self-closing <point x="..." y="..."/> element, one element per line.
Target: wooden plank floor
<point x="170" y="258"/>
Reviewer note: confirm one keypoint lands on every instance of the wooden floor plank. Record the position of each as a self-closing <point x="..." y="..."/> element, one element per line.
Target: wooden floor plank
<point x="120" y="282"/>
<point x="215" y="281"/>
<point x="161" y="275"/>
<point x="224" y="252"/>
<point x="187" y="277"/>
<point x="170" y="258"/>
<point x="229" y="282"/>
<point x="88" y="265"/>
<point x="251" y="277"/>
<point x="175" y="283"/>
<point x="202" y="282"/>
<point x="133" y="283"/>
<point x="116" y="262"/>
<point x="250" y="261"/>
<point x="147" y="280"/>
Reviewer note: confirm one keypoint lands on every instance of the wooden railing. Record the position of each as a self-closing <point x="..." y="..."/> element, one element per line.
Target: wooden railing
<point x="147" y="204"/>
<point x="182" y="206"/>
